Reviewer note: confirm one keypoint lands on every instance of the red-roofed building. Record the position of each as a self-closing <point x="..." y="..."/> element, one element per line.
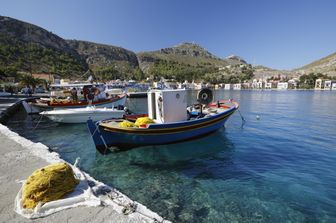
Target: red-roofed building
<point x="47" y="77"/>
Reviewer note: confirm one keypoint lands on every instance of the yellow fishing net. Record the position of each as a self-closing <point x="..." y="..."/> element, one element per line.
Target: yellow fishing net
<point x="143" y="121"/>
<point x="126" y="124"/>
<point x="49" y="183"/>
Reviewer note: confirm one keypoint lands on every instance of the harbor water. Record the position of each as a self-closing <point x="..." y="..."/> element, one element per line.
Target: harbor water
<point x="277" y="167"/>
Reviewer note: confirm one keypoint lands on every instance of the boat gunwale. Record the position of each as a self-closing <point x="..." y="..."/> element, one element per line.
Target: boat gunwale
<point x="81" y="105"/>
<point x="181" y="126"/>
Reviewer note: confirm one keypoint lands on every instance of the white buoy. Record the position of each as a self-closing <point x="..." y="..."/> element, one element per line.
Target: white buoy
<point x="258" y="117"/>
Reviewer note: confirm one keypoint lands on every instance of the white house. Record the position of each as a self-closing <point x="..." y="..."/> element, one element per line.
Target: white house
<point x="328" y="84"/>
<point x="319" y="84"/>
<point x="333" y="86"/>
<point x="260" y="84"/>
<point x="221" y="85"/>
<point x="268" y="85"/>
<point x="237" y="86"/>
<point x="246" y="85"/>
<point x="282" y="86"/>
<point x="198" y="86"/>
<point x="228" y="86"/>
<point x="293" y="83"/>
<point x="254" y="84"/>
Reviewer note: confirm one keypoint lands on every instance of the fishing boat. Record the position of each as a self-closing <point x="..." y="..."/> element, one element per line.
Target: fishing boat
<point x="81" y="115"/>
<point x="90" y="95"/>
<point x="51" y="104"/>
<point x="172" y="121"/>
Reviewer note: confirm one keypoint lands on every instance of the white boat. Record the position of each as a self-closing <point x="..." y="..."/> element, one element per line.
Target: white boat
<point x="81" y="115"/>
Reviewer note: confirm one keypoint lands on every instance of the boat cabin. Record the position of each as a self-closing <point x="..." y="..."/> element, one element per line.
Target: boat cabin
<point x="166" y="106"/>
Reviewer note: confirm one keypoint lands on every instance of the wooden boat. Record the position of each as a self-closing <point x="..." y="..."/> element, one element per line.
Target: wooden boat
<point x="81" y="115"/>
<point x="202" y="120"/>
<point x="50" y="104"/>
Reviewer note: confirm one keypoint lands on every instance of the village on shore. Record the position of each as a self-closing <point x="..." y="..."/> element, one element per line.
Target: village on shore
<point x="47" y="80"/>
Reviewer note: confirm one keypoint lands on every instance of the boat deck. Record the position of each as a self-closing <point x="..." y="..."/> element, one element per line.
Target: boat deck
<point x="206" y="112"/>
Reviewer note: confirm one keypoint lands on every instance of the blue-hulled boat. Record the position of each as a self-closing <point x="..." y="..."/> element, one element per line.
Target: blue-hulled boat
<point x="108" y="135"/>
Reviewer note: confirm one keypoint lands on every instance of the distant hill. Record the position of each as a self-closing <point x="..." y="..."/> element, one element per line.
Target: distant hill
<point x="262" y="72"/>
<point x="326" y="65"/>
<point x="187" y="60"/>
<point x="233" y="59"/>
<point x="26" y="47"/>
<point x="29" y="48"/>
<point x="185" y="53"/>
<point x="117" y="61"/>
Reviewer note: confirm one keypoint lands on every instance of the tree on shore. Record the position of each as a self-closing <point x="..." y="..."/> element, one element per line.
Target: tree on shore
<point x="30" y="81"/>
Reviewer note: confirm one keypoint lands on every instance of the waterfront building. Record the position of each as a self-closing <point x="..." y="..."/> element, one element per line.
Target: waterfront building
<point x="319" y="84"/>
<point x="64" y="81"/>
<point x="221" y="86"/>
<point x="198" y="86"/>
<point x="228" y="86"/>
<point x="260" y="84"/>
<point x="246" y="85"/>
<point x="293" y="83"/>
<point x="49" y="78"/>
<point x="333" y="86"/>
<point x="272" y="84"/>
<point x="254" y="84"/>
<point x="268" y="85"/>
<point x="328" y="84"/>
<point x="237" y="86"/>
<point x="282" y="86"/>
<point x="209" y="85"/>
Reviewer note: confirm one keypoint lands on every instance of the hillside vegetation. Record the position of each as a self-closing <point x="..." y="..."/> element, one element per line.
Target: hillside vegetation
<point x="187" y="61"/>
<point x="108" y="62"/>
<point x="326" y="65"/>
<point x="26" y="47"/>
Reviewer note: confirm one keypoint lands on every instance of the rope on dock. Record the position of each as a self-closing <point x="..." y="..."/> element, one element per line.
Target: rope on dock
<point x="130" y="207"/>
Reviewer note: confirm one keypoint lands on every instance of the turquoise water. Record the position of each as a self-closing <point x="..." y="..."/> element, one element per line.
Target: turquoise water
<point x="279" y="168"/>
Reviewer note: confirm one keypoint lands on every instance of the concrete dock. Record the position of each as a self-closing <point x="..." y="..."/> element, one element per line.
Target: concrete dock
<point x="17" y="162"/>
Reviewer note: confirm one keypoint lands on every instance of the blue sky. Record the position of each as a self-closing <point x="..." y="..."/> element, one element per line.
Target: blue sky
<point x="282" y="34"/>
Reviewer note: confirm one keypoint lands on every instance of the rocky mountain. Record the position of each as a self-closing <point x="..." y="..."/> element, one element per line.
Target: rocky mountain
<point x="262" y="72"/>
<point x="326" y="65"/>
<point x="185" y="54"/>
<point x="26" y="47"/>
<point x="233" y="59"/>
<point x="29" y="48"/>
<point x="102" y="55"/>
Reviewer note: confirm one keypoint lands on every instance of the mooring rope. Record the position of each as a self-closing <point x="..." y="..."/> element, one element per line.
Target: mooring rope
<point x="242" y="118"/>
<point x="130" y="207"/>
<point x="38" y="122"/>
